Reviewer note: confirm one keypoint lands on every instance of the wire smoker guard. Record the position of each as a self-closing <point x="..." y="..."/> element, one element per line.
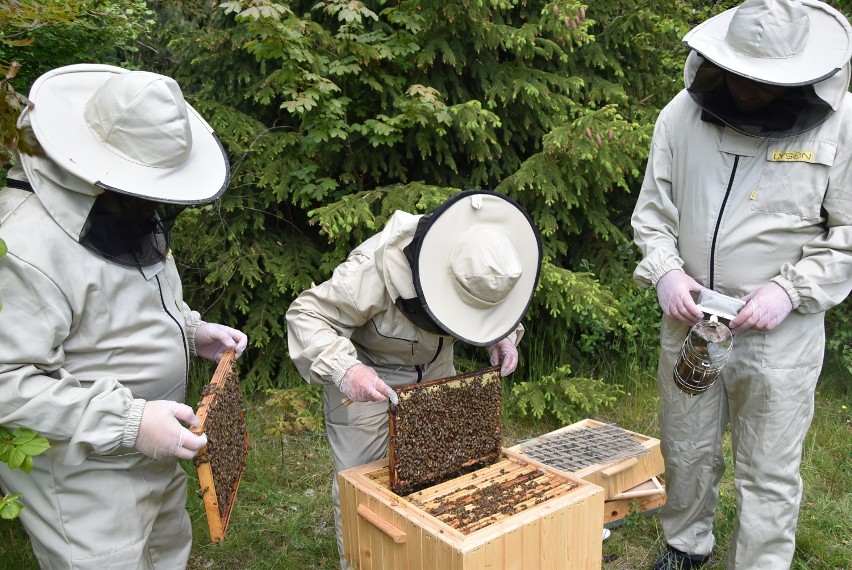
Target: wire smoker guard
<point x="704" y="353"/>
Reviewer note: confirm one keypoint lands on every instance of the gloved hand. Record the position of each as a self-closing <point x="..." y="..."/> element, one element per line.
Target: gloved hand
<point x="212" y="340"/>
<point x="362" y="384"/>
<point x="673" y="293"/>
<point x="764" y="310"/>
<point x="161" y="434"/>
<point x="505" y="354"/>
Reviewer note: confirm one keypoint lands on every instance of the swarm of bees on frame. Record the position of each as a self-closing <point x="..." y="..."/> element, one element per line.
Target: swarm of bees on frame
<point x="227" y="445"/>
<point x="442" y="429"/>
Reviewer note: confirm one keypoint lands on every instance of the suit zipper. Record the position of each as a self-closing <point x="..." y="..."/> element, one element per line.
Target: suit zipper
<point x="719" y="223"/>
<point x="434" y="358"/>
<point x="182" y="334"/>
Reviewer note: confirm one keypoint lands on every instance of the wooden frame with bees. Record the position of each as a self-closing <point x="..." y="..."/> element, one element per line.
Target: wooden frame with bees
<point x="444" y="427"/>
<point x="221" y="463"/>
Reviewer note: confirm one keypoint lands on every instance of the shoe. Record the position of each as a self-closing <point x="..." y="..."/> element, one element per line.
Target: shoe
<point x="674" y="559"/>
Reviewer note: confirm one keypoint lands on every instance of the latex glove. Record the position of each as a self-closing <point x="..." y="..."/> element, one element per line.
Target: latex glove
<point x="673" y="293"/>
<point x="162" y="435"/>
<point x="362" y="384"/>
<point x="505" y="354"/>
<point x="212" y="340"/>
<point x="764" y="310"/>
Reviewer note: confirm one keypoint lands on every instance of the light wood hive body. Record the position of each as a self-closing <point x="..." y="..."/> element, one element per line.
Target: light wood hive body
<point x="554" y="525"/>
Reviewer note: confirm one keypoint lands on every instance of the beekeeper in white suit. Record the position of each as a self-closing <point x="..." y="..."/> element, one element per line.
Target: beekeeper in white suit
<point x="747" y="192"/>
<point x="391" y="313"/>
<point x="95" y="336"/>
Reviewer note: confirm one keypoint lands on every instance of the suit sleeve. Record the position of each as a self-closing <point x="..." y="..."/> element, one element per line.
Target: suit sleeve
<point x="36" y="392"/>
<point x="655" y="217"/>
<point x="321" y="320"/>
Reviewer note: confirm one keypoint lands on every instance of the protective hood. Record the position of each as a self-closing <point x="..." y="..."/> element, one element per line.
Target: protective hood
<point x="800" y="108"/>
<point x="468" y="269"/>
<point x="779" y="42"/>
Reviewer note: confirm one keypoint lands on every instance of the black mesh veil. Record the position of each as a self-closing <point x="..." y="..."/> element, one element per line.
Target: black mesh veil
<point x="129" y="230"/>
<point x="798" y="110"/>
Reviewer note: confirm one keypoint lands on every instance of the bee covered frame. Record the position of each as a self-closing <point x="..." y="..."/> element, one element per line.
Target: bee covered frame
<point x="214" y="421"/>
<point x="443" y="428"/>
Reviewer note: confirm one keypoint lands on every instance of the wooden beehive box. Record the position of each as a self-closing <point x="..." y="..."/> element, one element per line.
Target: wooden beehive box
<point x="221" y="463"/>
<point x="609" y="456"/>
<point x="515" y="513"/>
<point x="645" y="498"/>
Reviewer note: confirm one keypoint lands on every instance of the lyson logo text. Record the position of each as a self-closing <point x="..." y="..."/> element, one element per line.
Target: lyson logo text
<point x="792" y="156"/>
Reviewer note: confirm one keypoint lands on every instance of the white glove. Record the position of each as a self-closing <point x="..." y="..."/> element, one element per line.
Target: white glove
<point x="764" y="310"/>
<point x="673" y="293"/>
<point x="212" y="340"/>
<point x="362" y="384"/>
<point x="161" y="435"/>
<point x="505" y="354"/>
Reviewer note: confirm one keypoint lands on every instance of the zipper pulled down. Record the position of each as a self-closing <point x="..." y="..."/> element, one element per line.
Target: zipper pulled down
<point x="712" y="284"/>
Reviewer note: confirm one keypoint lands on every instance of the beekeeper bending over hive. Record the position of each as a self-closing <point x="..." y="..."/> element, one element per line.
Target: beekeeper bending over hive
<point x="95" y="336"/>
<point x="392" y="312"/>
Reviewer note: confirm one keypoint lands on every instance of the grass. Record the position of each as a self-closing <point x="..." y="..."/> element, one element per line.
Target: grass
<point x="283" y="517"/>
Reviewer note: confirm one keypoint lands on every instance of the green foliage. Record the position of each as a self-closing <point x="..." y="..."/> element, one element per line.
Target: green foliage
<point x="10" y="507"/>
<point x="839" y="334"/>
<point x="295" y="410"/>
<point x="337" y="113"/>
<point x="37" y="36"/>
<point x="564" y="396"/>
<point x="17" y="449"/>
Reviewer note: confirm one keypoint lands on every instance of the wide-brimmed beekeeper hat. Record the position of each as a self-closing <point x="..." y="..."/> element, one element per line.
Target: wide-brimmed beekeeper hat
<point x="475" y="261"/>
<point x="127" y="131"/>
<point x="781" y="42"/>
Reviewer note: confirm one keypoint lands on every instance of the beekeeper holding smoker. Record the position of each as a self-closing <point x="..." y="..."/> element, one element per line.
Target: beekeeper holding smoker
<point x="391" y="314"/>
<point x="748" y="192"/>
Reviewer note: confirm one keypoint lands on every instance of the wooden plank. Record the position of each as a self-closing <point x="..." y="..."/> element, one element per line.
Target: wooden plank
<point x="531" y="544"/>
<point x="643" y="498"/>
<point x="348" y="503"/>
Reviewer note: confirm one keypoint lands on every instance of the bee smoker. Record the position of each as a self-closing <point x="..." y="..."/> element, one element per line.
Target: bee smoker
<point x="708" y="344"/>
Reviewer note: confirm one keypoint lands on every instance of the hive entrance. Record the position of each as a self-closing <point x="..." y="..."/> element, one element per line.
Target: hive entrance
<point x="575" y="449"/>
<point x="444" y="428"/>
<point x="221" y="463"/>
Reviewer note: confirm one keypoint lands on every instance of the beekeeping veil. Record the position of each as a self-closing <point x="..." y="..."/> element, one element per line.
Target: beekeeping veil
<point x="804" y="46"/>
<point x="475" y="263"/>
<point x="123" y="154"/>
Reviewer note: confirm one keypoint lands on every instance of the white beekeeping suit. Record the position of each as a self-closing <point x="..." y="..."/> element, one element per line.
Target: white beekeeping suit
<point x="747" y="192"/>
<point x="95" y="335"/>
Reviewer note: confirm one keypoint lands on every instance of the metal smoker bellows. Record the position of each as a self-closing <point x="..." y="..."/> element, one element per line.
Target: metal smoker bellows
<point x="576" y="449"/>
<point x="708" y="344"/>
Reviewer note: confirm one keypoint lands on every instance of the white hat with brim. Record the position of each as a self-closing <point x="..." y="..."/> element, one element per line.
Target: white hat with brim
<point x="476" y="265"/>
<point x="129" y="132"/>
<point x="779" y="42"/>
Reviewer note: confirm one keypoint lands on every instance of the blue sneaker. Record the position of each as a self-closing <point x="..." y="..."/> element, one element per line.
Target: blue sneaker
<point x="674" y="559"/>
